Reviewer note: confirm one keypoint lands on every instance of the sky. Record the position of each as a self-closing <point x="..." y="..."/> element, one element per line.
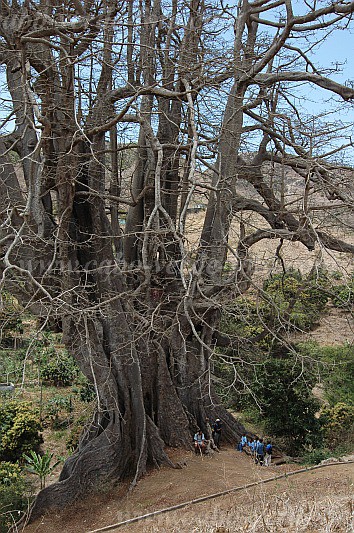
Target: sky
<point x="336" y="52"/>
<point x="337" y="49"/>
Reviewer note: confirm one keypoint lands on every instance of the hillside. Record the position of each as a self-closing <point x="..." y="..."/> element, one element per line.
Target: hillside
<point x="319" y="500"/>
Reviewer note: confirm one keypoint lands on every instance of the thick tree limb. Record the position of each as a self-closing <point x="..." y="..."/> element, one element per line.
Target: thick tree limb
<point x="267" y="79"/>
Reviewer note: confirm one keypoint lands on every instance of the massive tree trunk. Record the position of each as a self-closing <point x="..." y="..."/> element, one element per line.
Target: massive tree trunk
<point x="150" y="369"/>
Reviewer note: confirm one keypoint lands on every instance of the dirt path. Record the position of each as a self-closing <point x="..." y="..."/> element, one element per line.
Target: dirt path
<point x="298" y="497"/>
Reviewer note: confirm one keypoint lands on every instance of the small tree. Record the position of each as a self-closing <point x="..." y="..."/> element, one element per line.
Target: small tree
<point x="40" y="465"/>
<point x="288" y="404"/>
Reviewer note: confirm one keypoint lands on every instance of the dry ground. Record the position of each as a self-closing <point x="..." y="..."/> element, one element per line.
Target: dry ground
<point x="315" y="501"/>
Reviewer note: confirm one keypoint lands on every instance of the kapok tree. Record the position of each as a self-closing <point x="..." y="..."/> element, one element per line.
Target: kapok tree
<point x="120" y="118"/>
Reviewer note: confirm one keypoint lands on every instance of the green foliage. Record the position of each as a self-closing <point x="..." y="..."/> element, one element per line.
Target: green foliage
<point x="277" y="397"/>
<point x="58" y="368"/>
<point x="315" y="455"/>
<point x="337" y="424"/>
<point x="13" y="494"/>
<point x="256" y="373"/>
<point x="11" y="365"/>
<point x="58" y="409"/>
<point x="296" y="300"/>
<point x="335" y="274"/>
<point x="343" y="295"/>
<point x="87" y="392"/>
<point x="9" y="472"/>
<point x="10" y="315"/>
<point x="243" y="317"/>
<point x="288" y="301"/>
<point x="77" y="428"/>
<point x="19" y="429"/>
<point x="336" y="370"/>
<point x="40" y="465"/>
<point x="287" y="402"/>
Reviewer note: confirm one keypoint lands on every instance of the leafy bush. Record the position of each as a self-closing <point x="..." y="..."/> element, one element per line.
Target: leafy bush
<point x="87" y="392"/>
<point x="336" y="369"/>
<point x="59" y="368"/>
<point x="58" y="409"/>
<point x="13" y="494"/>
<point x="11" y="365"/>
<point x="278" y="390"/>
<point x="344" y="295"/>
<point x="9" y="472"/>
<point x="288" y="301"/>
<point x="315" y="456"/>
<point x="288" y="405"/>
<point x="296" y="300"/>
<point x="337" y="424"/>
<point x="10" y="311"/>
<point x="19" y="430"/>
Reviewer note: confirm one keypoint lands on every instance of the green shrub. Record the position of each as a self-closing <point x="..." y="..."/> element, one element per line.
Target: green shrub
<point x="315" y="456"/>
<point x="337" y="424"/>
<point x="10" y="311"/>
<point x="11" y="365"/>
<point x="19" y="430"/>
<point x="58" y="409"/>
<point x="278" y="394"/>
<point x="336" y="370"/>
<point x="295" y="300"/>
<point x="256" y="373"/>
<point x="288" y="405"/>
<point x="9" y="473"/>
<point x="14" y="494"/>
<point x="87" y="392"/>
<point x="244" y="318"/>
<point x="344" y="295"/>
<point x="59" y="369"/>
<point x="288" y="301"/>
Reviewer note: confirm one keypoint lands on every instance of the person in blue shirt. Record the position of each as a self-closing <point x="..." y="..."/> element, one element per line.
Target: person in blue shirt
<point x="242" y="443"/>
<point x="252" y="446"/>
<point x="268" y="454"/>
<point x="260" y="452"/>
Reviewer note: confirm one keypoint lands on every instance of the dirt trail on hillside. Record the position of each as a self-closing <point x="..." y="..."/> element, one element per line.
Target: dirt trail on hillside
<point x="276" y="502"/>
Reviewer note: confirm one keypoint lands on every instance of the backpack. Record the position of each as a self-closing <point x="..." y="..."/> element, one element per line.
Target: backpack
<point x="260" y="448"/>
<point x="269" y="449"/>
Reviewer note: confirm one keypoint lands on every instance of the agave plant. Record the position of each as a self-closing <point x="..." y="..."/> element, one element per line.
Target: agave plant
<point x="40" y="465"/>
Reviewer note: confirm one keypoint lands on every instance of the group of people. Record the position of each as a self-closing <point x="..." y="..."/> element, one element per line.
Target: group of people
<point x="260" y="452"/>
<point x="211" y="439"/>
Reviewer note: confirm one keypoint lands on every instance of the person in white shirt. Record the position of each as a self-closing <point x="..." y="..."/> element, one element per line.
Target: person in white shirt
<point x="199" y="442"/>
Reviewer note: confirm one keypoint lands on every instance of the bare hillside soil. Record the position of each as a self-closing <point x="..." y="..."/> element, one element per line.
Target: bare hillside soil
<point x="335" y="327"/>
<point x="314" y="501"/>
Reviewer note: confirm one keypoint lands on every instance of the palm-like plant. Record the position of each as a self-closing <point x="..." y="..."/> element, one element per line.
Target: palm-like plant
<point x="40" y="465"/>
